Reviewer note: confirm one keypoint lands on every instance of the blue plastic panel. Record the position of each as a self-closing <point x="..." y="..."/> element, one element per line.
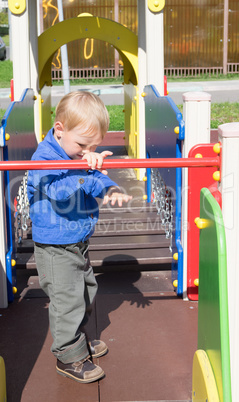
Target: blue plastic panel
<point x="18" y="122"/>
<point x="161" y="118"/>
<point x="160" y="121"/>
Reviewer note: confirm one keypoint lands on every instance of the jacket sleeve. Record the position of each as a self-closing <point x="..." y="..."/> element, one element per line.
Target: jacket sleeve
<point x="56" y="184"/>
<point x="101" y="183"/>
<point x="60" y="185"/>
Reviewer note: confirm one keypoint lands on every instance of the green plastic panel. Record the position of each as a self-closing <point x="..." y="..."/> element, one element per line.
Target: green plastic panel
<point x="213" y="329"/>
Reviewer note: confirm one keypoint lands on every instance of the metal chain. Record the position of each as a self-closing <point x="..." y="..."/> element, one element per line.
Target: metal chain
<point x="22" y="209"/>
<point x="161" y="198"/>
<point x="163" y="203"/>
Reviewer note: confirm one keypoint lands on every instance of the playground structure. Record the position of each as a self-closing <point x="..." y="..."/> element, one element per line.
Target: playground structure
<point x="203" y="362"/>
<point x="142" y="56"/>
<point x="161" y="131"/>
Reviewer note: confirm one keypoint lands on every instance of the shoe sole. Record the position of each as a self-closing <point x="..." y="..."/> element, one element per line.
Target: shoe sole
<point x="102" y="353"/>
<point x="64" y="374"/>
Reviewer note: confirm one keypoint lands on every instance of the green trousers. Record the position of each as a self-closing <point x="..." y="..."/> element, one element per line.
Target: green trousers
<point x="67" y="278"/>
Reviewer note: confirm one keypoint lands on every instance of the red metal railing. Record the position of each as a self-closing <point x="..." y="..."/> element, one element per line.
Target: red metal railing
<point x="112" y="164"/>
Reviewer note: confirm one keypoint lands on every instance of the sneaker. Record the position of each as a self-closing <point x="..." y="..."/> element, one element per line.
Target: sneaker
<point x="97" y="348"/>
<point x="83" y="371"/>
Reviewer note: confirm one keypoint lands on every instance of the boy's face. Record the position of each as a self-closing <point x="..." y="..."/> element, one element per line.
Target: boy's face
<point x="77" y="141"/>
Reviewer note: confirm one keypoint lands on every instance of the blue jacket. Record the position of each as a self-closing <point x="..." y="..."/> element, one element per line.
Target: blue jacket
<point x="63" y="208"/>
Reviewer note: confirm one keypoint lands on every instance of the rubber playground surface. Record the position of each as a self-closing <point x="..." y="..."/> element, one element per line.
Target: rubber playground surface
<point x="150" y="332"/>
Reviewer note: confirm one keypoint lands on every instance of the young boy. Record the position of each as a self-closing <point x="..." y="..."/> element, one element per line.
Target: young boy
<point x="64" y="213"/>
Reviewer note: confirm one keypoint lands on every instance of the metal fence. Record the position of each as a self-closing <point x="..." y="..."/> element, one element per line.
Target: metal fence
<point x="196" y="38"/>
<point x="200" y="36"/>
<point x="86" y="73"/>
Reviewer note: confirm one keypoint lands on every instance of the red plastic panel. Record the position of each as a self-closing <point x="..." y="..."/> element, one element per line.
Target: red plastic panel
<point x="216" y="193"/>
<point x="165" y="86"/>
<point x="198" y="178"/>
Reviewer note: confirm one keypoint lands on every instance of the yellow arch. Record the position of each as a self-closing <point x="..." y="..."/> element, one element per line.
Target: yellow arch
<point x="124" y="40"/>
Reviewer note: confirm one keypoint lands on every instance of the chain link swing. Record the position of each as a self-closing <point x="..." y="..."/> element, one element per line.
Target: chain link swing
<point x="163" y="203"/>
<point x="22" y="209"/>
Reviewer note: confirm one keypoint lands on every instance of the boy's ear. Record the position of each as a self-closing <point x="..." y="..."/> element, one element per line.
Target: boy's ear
<point x="58" y="129"/>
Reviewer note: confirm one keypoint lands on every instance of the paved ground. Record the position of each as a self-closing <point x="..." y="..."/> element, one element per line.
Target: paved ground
<point x="221" y="91"/>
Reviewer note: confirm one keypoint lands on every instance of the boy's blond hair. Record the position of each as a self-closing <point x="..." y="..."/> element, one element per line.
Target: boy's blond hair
<point x="81" y="107"/>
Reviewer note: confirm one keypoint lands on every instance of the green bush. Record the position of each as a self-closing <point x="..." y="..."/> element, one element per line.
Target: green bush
<point x="6" y="73"/>
<point x="5" y="39"/>
<point x="115" y="113"/>
<point x="4" y="18"/>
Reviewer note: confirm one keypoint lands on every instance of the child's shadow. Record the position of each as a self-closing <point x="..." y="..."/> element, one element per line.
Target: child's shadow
<point x="116" y="286"/>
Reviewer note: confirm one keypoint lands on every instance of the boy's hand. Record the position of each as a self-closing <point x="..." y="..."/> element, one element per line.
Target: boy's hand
<point x="95" y="160"/>
<point x="117" y="197"/>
